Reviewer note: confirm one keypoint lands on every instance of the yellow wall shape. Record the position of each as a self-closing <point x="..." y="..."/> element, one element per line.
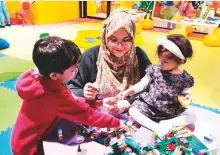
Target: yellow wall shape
<point x="56" y="11"/>
<point x="13" y="7"/>
<point x="91" y="8"/>
<point x="47" y="12"/>
<point x="126" y="4"/>
<point x="16" y="6"/>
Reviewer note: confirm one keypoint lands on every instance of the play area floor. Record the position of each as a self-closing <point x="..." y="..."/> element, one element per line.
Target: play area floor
<point x="204" y="66"/>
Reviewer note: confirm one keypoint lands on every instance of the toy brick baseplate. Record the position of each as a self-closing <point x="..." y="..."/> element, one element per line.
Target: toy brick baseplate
<point x="179" y="141"/>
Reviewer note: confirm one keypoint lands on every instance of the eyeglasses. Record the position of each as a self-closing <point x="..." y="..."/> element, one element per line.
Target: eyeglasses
<point x="112" y="42"/>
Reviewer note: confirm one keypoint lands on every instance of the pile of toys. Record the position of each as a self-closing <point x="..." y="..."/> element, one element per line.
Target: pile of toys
<point x="174" y="142"/>
<point x="179" y="140"/>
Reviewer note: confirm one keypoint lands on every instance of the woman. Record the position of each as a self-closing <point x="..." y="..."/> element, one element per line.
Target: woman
<point x="113" y="66"/>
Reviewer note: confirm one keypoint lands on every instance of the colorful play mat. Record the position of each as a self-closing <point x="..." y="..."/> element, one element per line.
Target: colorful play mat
<point x="204" y="66"/>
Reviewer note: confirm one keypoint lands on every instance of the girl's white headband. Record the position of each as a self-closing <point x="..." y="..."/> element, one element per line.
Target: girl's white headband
<point x="172" y="47"/>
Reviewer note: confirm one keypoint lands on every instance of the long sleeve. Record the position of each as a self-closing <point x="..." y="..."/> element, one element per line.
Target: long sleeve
<point x="87" y="72"/>
<point x="78" y="110"/>
<point x="186" y="91"/>
<point x="188" y="84"/>
<point x="145" y="81"/>
<point x="142" y="85"/>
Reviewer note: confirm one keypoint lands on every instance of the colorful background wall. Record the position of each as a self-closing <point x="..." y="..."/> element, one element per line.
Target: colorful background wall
<point x="48" y="12"/>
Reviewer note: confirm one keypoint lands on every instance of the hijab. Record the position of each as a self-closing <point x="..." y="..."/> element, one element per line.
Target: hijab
<point x="116" y="74"/>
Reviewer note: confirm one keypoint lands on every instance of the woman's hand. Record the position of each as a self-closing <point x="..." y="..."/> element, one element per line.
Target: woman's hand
<point x="90" y="91"/>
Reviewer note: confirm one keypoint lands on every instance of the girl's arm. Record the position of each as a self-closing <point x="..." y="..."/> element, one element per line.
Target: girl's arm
<point x="138" y="87"/>
<point x="142" y="85"/>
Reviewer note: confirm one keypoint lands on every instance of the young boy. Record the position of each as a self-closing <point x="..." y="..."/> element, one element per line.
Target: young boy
<point x="46" y="99"/>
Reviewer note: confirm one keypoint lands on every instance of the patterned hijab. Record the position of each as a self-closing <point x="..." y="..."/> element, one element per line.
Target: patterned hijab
<point x="116" y="74"/>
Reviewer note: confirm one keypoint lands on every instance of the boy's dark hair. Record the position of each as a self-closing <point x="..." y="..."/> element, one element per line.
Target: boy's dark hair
<point x="183" y="44"/>
<point x="54" y="54"/>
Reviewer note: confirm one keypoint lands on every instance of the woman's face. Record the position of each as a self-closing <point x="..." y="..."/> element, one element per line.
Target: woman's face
<point x="120" y="42"/>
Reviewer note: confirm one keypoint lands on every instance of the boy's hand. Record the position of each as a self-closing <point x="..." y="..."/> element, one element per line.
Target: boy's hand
<point x="118" y="107"/>
<point x="110" y="104"/>
<point x="114" y="105"/>
<point x="123" y="126"/>
<point x="109" y="107"/>
<point x="122" y="105"/>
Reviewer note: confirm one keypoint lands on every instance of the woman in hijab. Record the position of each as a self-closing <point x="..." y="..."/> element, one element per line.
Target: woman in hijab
<point x="113" y="66"/>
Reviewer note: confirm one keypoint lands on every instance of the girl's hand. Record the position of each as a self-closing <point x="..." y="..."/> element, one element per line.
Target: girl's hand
<point x="188" y="98"/>
<point x="124" y="94"/>
<point x="185" y="100"/>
